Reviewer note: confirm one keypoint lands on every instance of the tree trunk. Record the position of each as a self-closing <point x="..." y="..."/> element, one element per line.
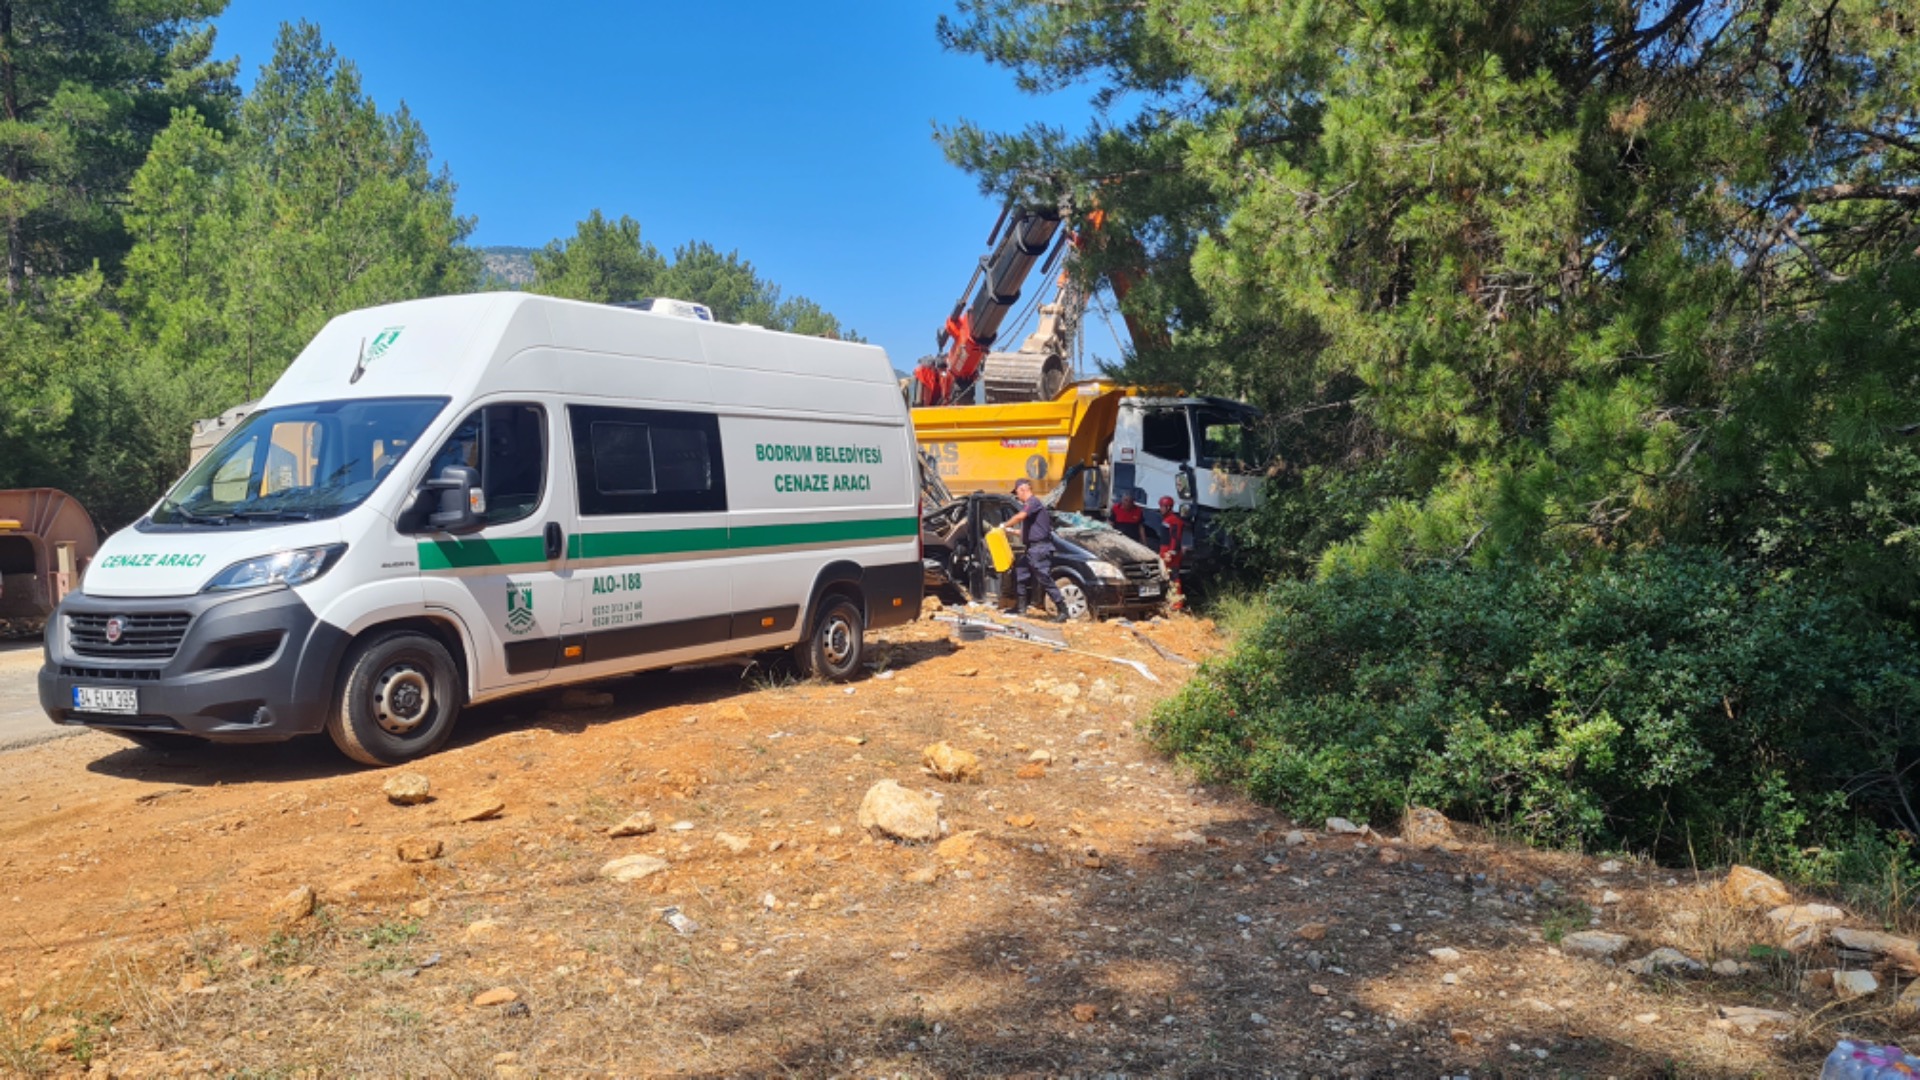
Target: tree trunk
<point x="10" y="106"/>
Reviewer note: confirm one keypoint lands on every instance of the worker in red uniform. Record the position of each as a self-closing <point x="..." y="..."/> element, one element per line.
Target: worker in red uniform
<point x="1176" y="527"/>
<point x="1130" y="518"/>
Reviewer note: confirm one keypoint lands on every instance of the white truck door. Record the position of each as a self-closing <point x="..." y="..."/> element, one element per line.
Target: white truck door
<point x="505" y="581"/>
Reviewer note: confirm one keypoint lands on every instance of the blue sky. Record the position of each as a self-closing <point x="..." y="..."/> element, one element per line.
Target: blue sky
<point x="799" y="134"/>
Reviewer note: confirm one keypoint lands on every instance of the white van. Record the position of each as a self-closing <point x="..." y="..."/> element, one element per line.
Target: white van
<point x="453" y="500"/>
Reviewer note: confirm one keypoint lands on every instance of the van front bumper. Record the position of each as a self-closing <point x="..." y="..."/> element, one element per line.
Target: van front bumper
<point x="256" y="666"/>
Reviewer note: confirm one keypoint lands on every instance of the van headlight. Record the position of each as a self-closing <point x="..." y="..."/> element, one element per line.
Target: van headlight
<point x="1106" y="571"/>
<point x="281" y="568"/>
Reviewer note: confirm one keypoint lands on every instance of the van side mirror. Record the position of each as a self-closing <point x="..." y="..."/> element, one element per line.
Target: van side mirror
<point x="460" y="501"/>
<point x="1183" y="483"/>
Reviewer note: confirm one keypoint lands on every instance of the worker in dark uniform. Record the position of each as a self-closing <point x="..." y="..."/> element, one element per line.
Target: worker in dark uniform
<point x="1036" y="532"/>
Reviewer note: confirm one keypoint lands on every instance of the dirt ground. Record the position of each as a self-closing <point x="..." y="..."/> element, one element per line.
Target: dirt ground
<point x="1097" y="915"/>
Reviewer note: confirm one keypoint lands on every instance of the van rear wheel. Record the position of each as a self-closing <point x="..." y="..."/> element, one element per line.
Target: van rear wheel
<point x="399" y="696"/>
<point x="834" y="649"/>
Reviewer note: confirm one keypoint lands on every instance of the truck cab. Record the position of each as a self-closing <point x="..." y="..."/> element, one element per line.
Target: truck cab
<point x="1200" y="451"/>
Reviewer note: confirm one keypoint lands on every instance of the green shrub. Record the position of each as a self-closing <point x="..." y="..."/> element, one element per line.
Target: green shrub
<point x="1671" y="701"/>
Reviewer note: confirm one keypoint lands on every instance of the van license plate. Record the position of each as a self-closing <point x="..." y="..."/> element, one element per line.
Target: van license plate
<point x="104" y="699"/>
<point x="1151" y="588"/>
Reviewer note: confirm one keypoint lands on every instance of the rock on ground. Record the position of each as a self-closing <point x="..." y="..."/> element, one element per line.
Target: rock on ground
<point x="1665" y="961"/>
<point x="633" y="867"/>
<point x="1340" y="826"/>
<point x="1901" y="950"/>
<point x="891" y="810"/>
<point x="1908" y="1005"/>
<point x="1599" y="944"/>
<point x="499" y="995"/>
<point x="1848" y="985"/>
<point x="407" y="789"/>
<point x="1750" y="1020"/>
<point x="294" y="906"/>
<point x="638" y="823"/>
<point x="419" y="849"/>
<point x="479" y="808"/>
<point x="1795" y="916"/>
<point x="1426" y="827"/>
<point x="1747" y="887"/>
<point x="947" y="763"/>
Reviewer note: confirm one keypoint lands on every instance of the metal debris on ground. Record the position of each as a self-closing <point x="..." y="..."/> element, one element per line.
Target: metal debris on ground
<point x="1044" y="639"/>
<point x="1165" y="653"/>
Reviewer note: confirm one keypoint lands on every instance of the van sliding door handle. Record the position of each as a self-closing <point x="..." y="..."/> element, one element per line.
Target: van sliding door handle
<point x="556" y="540"/>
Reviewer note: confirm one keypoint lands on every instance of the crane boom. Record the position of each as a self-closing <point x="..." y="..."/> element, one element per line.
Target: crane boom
<point x="1020" y="239"/>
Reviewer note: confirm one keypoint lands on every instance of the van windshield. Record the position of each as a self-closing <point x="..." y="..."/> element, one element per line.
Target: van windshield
<point x="298" y="462"/>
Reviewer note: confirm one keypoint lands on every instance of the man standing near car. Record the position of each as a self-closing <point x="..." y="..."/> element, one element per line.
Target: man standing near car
<point x="1130" y="518"/>
<point x="1036" y="532"/>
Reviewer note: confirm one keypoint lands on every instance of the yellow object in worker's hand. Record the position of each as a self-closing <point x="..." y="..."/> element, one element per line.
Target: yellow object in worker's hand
<point x="999" y="551"/>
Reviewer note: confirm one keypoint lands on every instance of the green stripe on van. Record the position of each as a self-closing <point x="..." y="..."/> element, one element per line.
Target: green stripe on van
<point x="462" y="554"/>
<point x="526" y="550"/>
<point x="658" y="542"/>
<point x="821" y="532"/>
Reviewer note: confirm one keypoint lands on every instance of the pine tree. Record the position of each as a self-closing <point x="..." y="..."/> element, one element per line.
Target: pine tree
<point x="85" y="85"/>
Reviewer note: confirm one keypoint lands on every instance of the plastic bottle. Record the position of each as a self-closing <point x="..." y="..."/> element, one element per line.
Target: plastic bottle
<point x="1865" y="1061"/>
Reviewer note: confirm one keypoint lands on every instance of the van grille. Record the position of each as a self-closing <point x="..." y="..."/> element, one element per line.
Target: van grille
<point x="134" y="674"/>
<point x="153" y="636"/>
<point x="1144" y="570"/>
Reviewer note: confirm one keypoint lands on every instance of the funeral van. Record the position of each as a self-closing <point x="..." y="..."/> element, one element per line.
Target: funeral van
<point x="448" y="501"/>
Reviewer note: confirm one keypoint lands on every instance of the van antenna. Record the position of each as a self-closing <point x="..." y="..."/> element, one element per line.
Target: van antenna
<point x="359" y="363"/>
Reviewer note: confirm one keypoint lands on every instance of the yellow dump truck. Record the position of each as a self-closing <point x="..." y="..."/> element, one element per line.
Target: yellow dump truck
<point x="1101" y="439"/>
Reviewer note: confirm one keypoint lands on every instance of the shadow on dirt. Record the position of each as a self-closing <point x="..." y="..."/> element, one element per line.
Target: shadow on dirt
<point x="565" y="710"/>
<point x="1190" y="960"/>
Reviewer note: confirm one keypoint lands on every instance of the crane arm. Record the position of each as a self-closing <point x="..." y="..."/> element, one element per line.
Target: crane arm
<point x="970" y="330"/>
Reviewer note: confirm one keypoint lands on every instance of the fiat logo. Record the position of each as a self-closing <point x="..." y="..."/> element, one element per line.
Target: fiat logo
<point x="116" y="627"/>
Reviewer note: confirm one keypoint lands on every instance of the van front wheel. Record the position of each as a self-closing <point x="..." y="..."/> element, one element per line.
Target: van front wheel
<point x="834" y="649"/>
<point x="399" y="695"/>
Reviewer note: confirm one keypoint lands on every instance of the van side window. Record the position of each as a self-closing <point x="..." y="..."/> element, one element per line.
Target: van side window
<point x="508" y="444"/>
<point x="647" y="461"/>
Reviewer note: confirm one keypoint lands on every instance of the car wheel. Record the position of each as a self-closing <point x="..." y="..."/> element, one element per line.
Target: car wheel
<point x="399" y="695"/>
<point x="1076" y="598"/>
<point x="834" y="648"/>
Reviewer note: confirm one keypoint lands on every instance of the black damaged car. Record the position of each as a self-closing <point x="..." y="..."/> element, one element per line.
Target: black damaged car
<point x="1100" y="572"/>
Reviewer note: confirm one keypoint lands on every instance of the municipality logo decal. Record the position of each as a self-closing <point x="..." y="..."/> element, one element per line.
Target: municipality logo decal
<point x="519" y="607"/>
<point x="381" y="344"/>
<point x="383" y="341"/>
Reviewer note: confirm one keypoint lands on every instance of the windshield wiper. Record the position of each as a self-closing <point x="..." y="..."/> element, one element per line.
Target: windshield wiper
<point x="275" y="515"/>
<point x="168" y="506"/>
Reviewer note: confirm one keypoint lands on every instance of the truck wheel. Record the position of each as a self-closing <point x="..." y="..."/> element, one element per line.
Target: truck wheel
<point x="399" y="695"/>
<point x="1075" y="596"/>
<point x="834" y="648"/>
